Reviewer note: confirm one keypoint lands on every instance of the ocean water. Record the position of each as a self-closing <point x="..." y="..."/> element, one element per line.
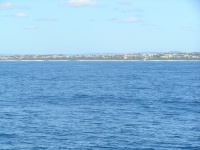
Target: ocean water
<point x="100" y="105"/>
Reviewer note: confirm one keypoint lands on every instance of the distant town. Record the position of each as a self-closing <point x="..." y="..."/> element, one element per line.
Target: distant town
<point x="172" y="56"/>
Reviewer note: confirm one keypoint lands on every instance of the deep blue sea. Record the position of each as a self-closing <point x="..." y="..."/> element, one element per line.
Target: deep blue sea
<point x="100" y="105"/>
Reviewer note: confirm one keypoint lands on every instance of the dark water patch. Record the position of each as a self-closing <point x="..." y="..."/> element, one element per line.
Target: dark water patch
<point x="8" y="135"/>
<point x="188" y="148"/>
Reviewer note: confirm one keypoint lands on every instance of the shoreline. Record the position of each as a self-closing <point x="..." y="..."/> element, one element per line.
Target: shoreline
<point x="95" y="60"/>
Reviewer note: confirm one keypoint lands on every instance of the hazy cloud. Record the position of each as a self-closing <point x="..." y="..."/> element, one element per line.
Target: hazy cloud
<point x="127" y="11"/>
<point x="116" y="9"/>
<point x="78" y="3"/>
<point x="125" y="3"/>
<point x="31" y="28"/>
<point x="21" y="15"/>
<point x="62" y="4"/>
<point x="187" y="27"/>
<point x="139" y="10"/>
<point x="23" y="7"/>
<point x="130" y="20"/>
<point x="6" y="6"/>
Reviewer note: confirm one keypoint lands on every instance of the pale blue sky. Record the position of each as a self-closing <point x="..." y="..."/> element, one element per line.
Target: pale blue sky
<point x="99" y="26"/>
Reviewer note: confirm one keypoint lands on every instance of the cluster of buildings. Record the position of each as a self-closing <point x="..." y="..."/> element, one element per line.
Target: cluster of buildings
<point x="134" y="56"/>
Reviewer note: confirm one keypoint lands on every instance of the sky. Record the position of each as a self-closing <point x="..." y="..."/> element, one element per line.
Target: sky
<point x="99" y="26"/>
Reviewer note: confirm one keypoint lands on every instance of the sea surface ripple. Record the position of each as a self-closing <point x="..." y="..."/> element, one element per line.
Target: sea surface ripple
<point x="100" y="105"/>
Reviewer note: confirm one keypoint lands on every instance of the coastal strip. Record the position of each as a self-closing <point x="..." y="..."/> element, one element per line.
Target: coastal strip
<point x="193" y="56"/>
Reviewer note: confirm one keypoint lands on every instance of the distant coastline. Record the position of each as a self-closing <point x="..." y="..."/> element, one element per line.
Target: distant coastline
<point x="98" y="60"/>
<point x="193" y="56"/>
